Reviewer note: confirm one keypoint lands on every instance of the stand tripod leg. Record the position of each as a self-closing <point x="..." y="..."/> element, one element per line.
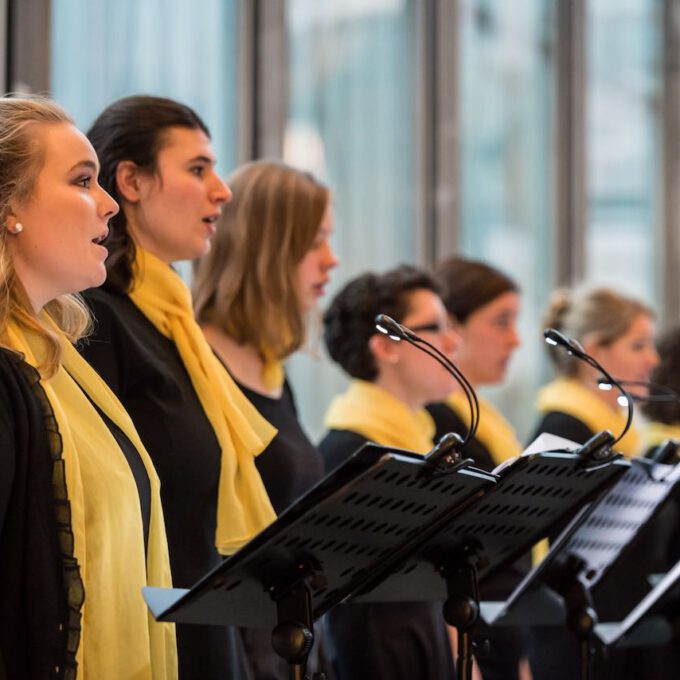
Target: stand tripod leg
<point x="461" y="609"/>
<point x="293" y="637"/>
<point x="464" y="655"/>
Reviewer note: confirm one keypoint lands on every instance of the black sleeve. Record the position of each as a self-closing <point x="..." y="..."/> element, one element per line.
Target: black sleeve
<point x="563" y="425"/>
<point x="338" y="445"/>
<point x="7" y="448"/>
<point x="108" y="346"/>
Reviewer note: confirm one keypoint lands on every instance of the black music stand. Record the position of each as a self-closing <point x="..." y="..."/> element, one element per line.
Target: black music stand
<point x="356" y="523"/>
<point x="596" y="544"/>
<point x="654" y="621"/>
<point x="535" y="493"/>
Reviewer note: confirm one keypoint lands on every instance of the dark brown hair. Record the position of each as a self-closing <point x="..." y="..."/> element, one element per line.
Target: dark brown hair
<point x="349" y="322"/>
<point x="468" y="285"/>
<point x="666" y="373"/>
<point x="132" y="129"/>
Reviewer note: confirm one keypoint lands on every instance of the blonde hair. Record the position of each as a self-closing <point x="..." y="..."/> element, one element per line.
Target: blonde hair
<point x="21" y="159"/>
<point x="246" y="284"/>
<point x="601" y="314"/>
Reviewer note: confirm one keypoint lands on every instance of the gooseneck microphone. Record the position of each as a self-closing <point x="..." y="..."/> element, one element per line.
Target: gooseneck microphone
<point x="397" y="332"/>
<point x="573" y="347"/>
<point x="663" y="393"/>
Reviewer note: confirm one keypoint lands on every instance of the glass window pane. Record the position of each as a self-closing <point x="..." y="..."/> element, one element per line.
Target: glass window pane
<point x="506" y="109"/>
<point x="623" y="173"/>
<point x="103" y="50"/>
<point x="352" y="123"/>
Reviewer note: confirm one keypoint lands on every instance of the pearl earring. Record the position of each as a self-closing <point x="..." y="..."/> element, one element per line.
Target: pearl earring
<point x="18" y="228"/>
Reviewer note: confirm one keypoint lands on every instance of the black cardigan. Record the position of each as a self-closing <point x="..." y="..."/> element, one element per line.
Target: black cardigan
<point x="36" y="580"/>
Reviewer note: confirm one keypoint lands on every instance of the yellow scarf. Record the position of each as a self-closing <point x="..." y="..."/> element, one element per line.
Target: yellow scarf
<point x="273" y="374"/>
<point x="374" y="413"/>
<point x="119" y="638"/>
<point x="243" y="507"/>
<point x="575" y="399"/>
<point x="656" y="433"/>
<point x="494" y="431"/>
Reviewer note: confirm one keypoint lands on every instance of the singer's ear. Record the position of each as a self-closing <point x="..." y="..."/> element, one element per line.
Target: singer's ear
<point x="128" y="181"/>
<point x="383" y="349"/>
<point x="592" y="345"/>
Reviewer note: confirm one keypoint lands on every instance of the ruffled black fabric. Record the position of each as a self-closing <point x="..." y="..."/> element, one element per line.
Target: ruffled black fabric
<point x="40" y="582"/>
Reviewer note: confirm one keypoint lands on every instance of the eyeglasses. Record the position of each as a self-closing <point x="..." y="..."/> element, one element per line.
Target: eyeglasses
<point x="434" y="327"/>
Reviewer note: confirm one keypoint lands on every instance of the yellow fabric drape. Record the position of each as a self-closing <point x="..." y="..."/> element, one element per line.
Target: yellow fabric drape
<point x="273" y="374"/>
<point x="656" y="433"/>
<point x="575" y="399"/>
<point x="374" y="413"/>
<point x="243" y="506"/>
<point x="119" y="638"/>
<point x="494" y="431"/>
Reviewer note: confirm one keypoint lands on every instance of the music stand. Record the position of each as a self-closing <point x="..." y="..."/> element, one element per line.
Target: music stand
<point x="653" y="621"/>
<point x="534" y="494"/>
<point x="354" y="523"/>
<point x="597" y="541"/>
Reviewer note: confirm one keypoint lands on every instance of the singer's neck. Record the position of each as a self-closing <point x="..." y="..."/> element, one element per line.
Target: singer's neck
<point x="399" y="390"/>
<point x="589" y="379"/>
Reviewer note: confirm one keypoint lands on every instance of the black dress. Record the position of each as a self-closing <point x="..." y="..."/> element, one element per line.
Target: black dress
<point x="384" y="641"/>
<point x="291" y="464"/>
<point x="145" y="371"/>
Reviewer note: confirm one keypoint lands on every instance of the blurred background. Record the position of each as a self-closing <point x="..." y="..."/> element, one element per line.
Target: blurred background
<point x="539" y="135"/>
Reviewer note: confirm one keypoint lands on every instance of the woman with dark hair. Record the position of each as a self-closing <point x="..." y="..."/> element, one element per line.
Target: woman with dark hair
<point x="483" y="306"/>
<point x="81" y="525"/>
<point x="391" y="383"/>
<point x="201" y="432"/>
<point x="254" y="293"/>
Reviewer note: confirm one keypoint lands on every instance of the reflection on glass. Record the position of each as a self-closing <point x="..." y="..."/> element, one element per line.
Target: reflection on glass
<point x="506" y="100"/>
<point x="623" y="172"/>
<point x="352" y="123"/>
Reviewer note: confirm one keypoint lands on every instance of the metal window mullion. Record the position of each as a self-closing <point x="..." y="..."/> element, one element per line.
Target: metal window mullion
<point x="669" y="233"/>
<point x="262" y="79"/>
<point x="570" y="205"/>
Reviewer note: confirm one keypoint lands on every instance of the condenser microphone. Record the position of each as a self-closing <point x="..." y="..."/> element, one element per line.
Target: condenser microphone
<point x="663" y="393"/>
<point x="573" y="347"/>
<point x="398" y="332"/>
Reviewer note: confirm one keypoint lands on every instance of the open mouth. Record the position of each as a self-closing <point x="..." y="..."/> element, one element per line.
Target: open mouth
<point x="211" y="219"/>
<point x="98" y="240"/>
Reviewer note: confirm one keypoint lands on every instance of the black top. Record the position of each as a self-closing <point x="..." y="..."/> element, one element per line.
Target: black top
<point x="338" y="445"/>
<point x="145" y="371"/>
<point x="291" y="464"/>
<point x="563" y="425"/>
<point x="34" y="616"/>
<point x="384" y="641"/>
<point x="447" y="420"/>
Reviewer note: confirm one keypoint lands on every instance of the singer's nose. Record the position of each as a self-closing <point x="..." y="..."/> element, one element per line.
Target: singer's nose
<point x="452" y="341"/>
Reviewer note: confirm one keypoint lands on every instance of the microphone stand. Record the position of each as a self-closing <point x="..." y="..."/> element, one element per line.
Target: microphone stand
<point x="599" y="446"/>
<point x="461" y="608"/>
